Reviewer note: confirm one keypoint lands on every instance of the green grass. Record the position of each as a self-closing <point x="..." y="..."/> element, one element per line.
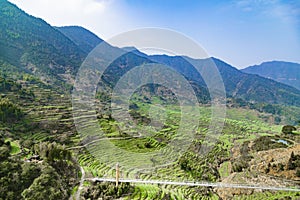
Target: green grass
<point x="140" y="145"/>
<point x="224" y="169"/>
<point x="240" y="125"/>
<point x="15" y="147"/>
<point x="74" y="190"/>
<point x="86" y="183"/>
<point x="147" y="192"/>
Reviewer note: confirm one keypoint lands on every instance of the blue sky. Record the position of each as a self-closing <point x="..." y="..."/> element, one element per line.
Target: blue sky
<point x="240" y="32"/>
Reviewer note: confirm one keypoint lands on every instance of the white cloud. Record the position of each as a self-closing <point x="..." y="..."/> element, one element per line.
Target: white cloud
<point x="60" y="11"/>
<point x="287" y="12"/>
<point x="94" y="8"/>
<point x="104" y="17"/>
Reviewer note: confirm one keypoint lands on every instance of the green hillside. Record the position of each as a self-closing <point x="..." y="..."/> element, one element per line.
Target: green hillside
<point x="44" y="156"/>
<point x="83" y="38"/>
<point x="33" y="45"/>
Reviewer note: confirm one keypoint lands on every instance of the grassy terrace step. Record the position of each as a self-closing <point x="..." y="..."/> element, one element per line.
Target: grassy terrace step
<point x="165" y="192"/>
<point x="46" y="112"/>
<point x="94" y="166"/>
<point x="234" y="130"/>
<point x="55" y="110"/>
<point x="38" y="136"/>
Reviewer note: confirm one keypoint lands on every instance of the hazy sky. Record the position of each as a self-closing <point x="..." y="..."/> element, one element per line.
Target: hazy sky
<point x="240" y="32"/>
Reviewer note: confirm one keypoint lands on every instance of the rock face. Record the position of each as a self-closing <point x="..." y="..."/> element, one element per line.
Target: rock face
<point x="278" y="167"/>
<point x="229" y="193"/>
<point x="275" y="162"/>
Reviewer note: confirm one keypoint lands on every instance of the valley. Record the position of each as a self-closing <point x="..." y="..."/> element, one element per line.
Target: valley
<point x="56" y="143"/>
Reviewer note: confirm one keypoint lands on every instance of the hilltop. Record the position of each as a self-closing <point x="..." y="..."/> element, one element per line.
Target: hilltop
<point x="44" y="156"/>
<point x="284" y="72"/>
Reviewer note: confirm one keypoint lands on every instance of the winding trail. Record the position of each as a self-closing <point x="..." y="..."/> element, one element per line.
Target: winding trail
<point x="77" y="197"/>
<point x="80" y="187"/>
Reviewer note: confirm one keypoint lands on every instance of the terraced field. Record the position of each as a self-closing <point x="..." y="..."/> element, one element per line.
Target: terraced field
<point x="49" y="117"/>
<point x="240" y="126"/>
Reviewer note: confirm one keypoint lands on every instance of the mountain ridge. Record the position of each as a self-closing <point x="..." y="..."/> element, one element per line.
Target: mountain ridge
<point x="49" y="142"/>
<point x="56" y="53"/>
<point x="83" y="38"/>
<point x="35" y="47"/>
<point x="237" y="84"/>
<point x="281" y="71"/>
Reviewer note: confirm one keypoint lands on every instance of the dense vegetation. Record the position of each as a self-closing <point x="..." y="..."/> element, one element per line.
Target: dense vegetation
<point x="9" y="112"/>
<point x="42" y="156"/>
<point x="107" y="191"/>
<point x="42" y="177"/>
<point x="40" y="49"/>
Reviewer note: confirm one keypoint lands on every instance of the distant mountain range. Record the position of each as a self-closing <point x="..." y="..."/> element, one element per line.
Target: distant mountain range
<point x="284" y="72"/>
<point x="237" y="84"/>
<point x="54" y="54"/>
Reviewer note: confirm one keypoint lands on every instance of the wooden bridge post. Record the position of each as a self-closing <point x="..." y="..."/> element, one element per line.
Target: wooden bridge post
<point x="117" y="174"/>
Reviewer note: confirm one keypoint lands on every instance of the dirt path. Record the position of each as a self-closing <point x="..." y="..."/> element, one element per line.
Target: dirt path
<point x="77" y="196"/>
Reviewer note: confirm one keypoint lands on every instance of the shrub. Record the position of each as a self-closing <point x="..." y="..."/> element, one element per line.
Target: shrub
<point x="298" y="172"/>
<point x="9" y="112"/>
<point x="288" y="129"/>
